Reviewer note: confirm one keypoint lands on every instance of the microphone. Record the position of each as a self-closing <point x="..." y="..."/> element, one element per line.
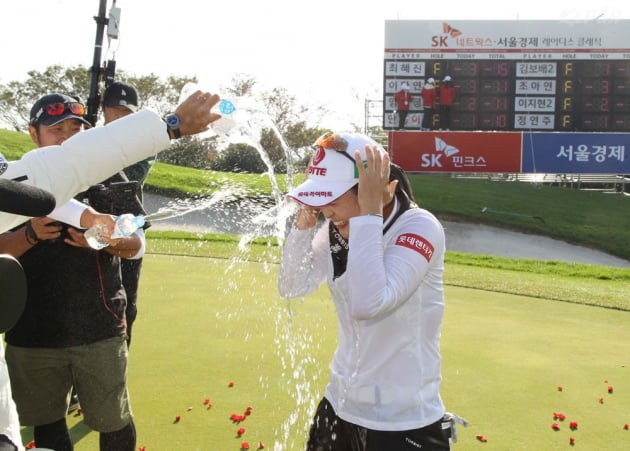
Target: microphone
<point x="25" y="200"/>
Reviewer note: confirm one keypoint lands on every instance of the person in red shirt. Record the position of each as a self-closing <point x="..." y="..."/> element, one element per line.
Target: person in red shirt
<point x="428" y="101"/>
<point x="403" y="100"/>
<point x="446" y="94"/>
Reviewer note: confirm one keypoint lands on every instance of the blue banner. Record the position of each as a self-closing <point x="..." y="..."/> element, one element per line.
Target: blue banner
<point x="576" y="153"/>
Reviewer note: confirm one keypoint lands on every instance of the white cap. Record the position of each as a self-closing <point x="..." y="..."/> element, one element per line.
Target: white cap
<point x="448" y="78"/>
<point x="331" y="170"/>
<point x="431" y="80"/>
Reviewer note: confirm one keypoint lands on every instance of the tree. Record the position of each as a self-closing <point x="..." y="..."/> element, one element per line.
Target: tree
<point x="16" y="98"/>
<point x="284" y="144"/>
<point x="239" y="158"/>
<point x="191" y="152"/>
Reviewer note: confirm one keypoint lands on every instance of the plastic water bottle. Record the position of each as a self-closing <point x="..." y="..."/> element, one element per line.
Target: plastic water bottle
<point x="95" y="236"/>
<point x="127" y="224"/>
<point x="229" y="117"/>
<point x="124" y="226"/>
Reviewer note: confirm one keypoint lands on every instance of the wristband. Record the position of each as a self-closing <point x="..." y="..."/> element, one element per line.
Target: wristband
<point x="29" y="233"/>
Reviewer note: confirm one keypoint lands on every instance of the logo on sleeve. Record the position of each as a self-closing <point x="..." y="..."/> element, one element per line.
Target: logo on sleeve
<point x="416" y="243"/>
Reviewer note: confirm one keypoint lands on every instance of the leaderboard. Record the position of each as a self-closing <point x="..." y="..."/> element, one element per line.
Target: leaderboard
<point x="515" y="76"/>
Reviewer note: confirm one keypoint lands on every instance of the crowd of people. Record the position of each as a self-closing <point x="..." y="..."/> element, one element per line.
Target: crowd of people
<point x="437" y="102"/>
<point x="357" y="227"/>
<point x="71" y="331"/>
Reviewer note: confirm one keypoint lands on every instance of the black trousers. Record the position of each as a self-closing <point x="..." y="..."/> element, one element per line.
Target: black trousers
<point x="402" y="117"/>
<point x="331" y="433"/>
<point x="427" y="119"/>
<point x="445" y="117"/>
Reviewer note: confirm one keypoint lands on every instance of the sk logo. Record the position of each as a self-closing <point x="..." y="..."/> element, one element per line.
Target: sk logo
<point x="448" y="150"/>
<point x="452" y="32"/>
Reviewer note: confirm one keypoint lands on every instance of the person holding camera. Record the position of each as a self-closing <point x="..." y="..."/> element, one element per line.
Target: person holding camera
<point x="120" y="100"/>
<point x="73" y="329"/>
<point x="97" y="153"/>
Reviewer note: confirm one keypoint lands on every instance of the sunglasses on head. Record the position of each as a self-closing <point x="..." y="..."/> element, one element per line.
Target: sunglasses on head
<point x="58" y="108"/>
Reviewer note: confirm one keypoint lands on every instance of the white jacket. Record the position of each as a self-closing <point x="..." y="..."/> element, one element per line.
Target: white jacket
<point x="385" y="373"/>
<point x="86" y="158"/>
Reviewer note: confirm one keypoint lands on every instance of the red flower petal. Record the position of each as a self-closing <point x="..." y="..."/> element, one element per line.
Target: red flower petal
<point x="177" y="418"/>
<point x="481" y="438"/>
<point x="610" y="389"/>
<point x="248" y="411"/>
<point x="601" y="400"/>
<point x="30" y="445"/>
<point x="555" y="426"/>
<point x="231" y="384"/>
<point x="206" y="401"/>
<point x="559" y="387"/>
<point x="261" y="445"/>
<point x="626" y="426"/>
<point x="244" y="445"/>
<point x="571" y="441"/>
<point x="573" y="425"/>
<point x="241" y="431"/>
<point x="209" y="406"/>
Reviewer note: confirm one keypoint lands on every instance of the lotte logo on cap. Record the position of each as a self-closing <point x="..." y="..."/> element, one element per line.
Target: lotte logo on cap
<point x="319" y="155"/>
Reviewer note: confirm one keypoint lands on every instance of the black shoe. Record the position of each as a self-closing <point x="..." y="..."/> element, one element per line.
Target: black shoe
<point x="74" y="403"/>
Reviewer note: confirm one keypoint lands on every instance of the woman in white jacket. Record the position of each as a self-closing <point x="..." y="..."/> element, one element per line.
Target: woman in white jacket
<point x="383" y="259"/>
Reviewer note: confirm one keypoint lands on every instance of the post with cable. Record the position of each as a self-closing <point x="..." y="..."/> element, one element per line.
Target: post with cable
<point x="106" y="71"/>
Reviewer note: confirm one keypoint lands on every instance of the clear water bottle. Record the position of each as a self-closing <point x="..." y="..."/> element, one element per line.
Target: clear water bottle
<point x="127" y="224"/>
<point x="124" y="226"/>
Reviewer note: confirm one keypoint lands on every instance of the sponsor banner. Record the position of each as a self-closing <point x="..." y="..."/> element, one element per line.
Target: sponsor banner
<point x="505" y="40"/>
<point x="576" y="153"/>
<point x="456" y="151"/>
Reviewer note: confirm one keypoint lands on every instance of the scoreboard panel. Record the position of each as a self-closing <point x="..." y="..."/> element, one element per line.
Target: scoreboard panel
<point x="556" y="95"/>
<point x="515" y="75"/>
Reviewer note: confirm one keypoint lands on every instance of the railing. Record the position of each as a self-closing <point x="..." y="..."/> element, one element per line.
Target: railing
<point x="609" y="183"/>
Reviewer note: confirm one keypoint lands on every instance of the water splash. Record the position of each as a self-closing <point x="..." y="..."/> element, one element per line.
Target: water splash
<point x="243" y="122"/>
<point x="180" y="207"/>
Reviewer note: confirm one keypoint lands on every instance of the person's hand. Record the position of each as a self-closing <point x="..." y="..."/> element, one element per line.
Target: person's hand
<point x="306" y="217"/>
<point x="76" y="238"/>
<point x="194" y="112"/>
<point x="45" y="228"/>
<point x="373" y="180"/>
<point x="90" y="218"/>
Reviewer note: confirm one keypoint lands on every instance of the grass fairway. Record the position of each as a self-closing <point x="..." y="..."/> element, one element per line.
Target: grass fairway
<point x="206" y="322"/>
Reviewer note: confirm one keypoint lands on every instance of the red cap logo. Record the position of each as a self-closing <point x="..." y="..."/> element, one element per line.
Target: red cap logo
<point x="319" y="155"/>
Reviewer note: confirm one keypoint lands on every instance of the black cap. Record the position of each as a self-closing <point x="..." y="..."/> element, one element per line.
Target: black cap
<point x="121" y="94"/>
<point x="40" y="116"/>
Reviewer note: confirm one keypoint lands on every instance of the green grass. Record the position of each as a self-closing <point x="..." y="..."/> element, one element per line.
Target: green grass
<point x="14" y="144"/>
<point x="588" y="218"/>
<point x="570" y="282"/>
<point x="210" y="314"/>
<point x="205" y="322"/>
